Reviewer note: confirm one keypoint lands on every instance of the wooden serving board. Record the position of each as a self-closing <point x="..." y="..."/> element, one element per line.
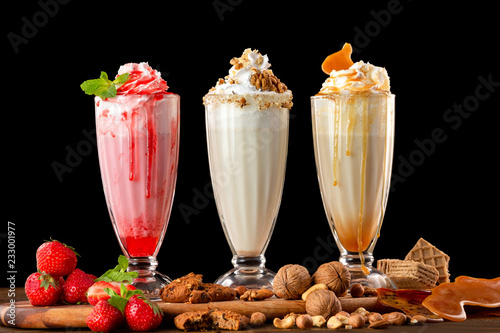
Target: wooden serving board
<point x="64" y="316"/>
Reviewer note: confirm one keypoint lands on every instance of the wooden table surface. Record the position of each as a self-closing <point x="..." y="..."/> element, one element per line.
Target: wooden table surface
<point x="474" y="323"/>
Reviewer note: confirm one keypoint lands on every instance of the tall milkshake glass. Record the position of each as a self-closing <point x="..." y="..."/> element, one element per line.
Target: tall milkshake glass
<point x="247" y="137"/>
<point x="353" y="132"/>
<point x="138" y="146"/>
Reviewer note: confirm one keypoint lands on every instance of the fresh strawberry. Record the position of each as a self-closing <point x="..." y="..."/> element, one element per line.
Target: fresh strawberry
<point x="43" y="289"/>
<point x="96" y="291"/>
<point x="76" y="286"/>
<point x="141" y="314"/>
<point x="104" y="317"/>
<point x="56" y="258"/>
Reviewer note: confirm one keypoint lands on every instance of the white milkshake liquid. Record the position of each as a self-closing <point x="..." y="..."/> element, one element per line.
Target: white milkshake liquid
<point x="247" y="151"/>
<point x="353" y="138"/>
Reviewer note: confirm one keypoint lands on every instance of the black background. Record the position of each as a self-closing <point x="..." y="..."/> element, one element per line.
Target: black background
<point x="434" y="54"/>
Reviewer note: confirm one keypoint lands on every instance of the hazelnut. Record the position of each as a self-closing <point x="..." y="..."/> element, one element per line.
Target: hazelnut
<point x="291" y="281"/>
<point x="287" y="322"/>
<point x="240" y="290"/>
<point x="417" y="320"/>
<point x="374" y="316"/>
<point x="334" y="323"/>
<point x="395" y="318"/>
<point x="357" y="290"/>
<point x="369" y="291"/>
<point x="344" y="319"/>
<point x="356" y="321"/>
<point x="304" y="322"/>
<point x="362" y="311"/>
<point x="335" y="275"/>
<point x="323" y="302"/>
<point x="257" y="319"/>
<point x="318" y="321"/>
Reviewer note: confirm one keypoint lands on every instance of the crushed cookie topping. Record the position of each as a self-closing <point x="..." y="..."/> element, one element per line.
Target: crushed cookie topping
<point x="250" y="83"/>
<point x="251" y="69"/>
<point x="267" y="81"/>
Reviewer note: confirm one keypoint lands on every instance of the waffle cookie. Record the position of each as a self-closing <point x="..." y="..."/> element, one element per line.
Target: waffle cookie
<point x="428" y="254"/>
<point x="409" y="274"/>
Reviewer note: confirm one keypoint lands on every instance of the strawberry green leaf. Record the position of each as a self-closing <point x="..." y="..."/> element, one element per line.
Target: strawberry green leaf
<point x="69" y="247"/>
<point x="47" y="280"/>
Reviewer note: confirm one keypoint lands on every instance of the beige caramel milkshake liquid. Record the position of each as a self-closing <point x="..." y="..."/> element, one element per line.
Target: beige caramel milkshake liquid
<point x="351" y="144"/>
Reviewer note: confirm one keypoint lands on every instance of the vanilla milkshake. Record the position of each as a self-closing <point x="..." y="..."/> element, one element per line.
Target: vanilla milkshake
<point x="353" y="131"/>
<point x="247" y="135"/>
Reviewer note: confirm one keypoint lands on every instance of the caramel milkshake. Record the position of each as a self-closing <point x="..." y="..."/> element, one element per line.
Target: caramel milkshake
<point x="247" y="135"/>
<point x="353" y="131"/>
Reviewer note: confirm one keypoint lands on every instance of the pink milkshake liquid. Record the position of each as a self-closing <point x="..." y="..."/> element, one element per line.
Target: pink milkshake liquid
<point x="137" y="138"/>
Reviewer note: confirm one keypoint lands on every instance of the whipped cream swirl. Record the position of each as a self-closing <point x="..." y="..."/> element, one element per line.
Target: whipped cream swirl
<point x="359" y="77"/>
<point x="142" y="80"/>
<point x="239" y="80"/>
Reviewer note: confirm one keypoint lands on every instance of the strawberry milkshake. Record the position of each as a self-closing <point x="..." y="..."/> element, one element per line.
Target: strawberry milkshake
<point x="138" y="142"/>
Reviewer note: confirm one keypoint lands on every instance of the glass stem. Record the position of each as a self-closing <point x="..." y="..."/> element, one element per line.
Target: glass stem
<point x="249" y="265"/>
<point x="144" y="266"/>
<point x="356" y="259"/>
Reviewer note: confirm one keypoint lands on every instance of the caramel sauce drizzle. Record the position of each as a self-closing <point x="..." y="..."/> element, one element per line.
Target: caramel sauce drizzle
<point x="363" y="185"/>
<point x="336" y="142"/>
<point x="351" y="122"/>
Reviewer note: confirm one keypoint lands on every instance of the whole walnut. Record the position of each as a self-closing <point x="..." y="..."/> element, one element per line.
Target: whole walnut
<point x="323" y="302"/>
<point x="335" y="275"/>
<point x="291" y="281"/>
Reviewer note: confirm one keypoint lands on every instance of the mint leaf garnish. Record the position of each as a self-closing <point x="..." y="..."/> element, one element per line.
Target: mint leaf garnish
<point x="103" y="86"/>
<point x="119" y="273"/>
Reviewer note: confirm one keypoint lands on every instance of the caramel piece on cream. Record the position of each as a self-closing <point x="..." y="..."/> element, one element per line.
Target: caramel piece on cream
<point x="339" y="60"/>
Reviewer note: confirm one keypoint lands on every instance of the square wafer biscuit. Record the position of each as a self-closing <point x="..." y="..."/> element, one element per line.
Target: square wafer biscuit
<point x="409" y="274"/>
<point x="428" y="254"/>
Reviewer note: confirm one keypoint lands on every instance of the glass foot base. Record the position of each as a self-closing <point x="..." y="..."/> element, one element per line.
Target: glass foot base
<point x="149" y="280"/>
<point x="249" y="272"/>
<point x="151" y="284"/>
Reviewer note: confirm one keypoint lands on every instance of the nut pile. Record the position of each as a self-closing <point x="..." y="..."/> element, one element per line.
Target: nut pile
<point x="321" y="292"/>
<point x="358" y="319"/>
